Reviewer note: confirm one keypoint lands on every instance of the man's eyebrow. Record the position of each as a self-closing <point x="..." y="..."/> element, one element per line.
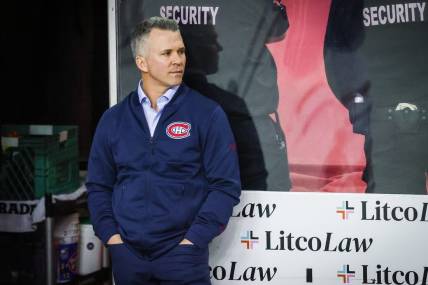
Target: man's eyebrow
<point x="169" y="49"/>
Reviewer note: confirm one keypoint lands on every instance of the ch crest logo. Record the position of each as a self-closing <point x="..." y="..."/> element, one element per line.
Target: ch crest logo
<point x="249" y="239"/>
<point x="345" y="210"/>
<point x="178" y="130"/>
<point x="345" y="274"/>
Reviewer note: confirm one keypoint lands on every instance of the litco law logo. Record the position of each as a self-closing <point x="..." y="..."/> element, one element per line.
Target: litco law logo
<point x="382" y="274"/>
<point x="345" y="274"/>
<point x="249" y="239"/>
<point x="344" y="210"/>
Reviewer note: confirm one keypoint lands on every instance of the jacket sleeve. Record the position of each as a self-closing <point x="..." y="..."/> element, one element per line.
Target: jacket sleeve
<point x="221" y="168"/>
<point x="100" y="182"/>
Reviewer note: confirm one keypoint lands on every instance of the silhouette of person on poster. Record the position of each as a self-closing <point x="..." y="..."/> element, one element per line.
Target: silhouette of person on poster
<point x="375" y="65"/>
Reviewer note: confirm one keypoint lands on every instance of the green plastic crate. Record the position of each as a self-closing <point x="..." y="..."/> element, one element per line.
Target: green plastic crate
<point x="62" y="178"/>
<point x="45" y="163"/>
<point x="54" y="152"/>
<point x="43" y="139"/>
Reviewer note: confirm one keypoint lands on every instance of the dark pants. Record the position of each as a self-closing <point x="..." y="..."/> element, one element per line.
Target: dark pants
<point x="183" y="265"/>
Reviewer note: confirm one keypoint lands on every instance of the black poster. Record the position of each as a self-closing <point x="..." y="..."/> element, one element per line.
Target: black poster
<point x="322" y="95"/>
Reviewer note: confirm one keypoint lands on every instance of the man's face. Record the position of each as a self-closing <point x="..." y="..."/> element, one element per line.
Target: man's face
<point x="164" y="59"/>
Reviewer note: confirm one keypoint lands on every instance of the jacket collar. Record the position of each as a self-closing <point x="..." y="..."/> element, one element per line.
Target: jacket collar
<point x="171" y="108"/>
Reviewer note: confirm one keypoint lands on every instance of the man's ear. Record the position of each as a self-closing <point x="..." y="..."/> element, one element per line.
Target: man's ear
<point x="141" y="63"/>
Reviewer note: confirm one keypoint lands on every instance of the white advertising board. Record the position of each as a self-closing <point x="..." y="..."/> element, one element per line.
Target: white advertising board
<point x="324" y="239"/>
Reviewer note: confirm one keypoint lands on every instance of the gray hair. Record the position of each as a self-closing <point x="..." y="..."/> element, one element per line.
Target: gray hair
<point x="143" y="29"/>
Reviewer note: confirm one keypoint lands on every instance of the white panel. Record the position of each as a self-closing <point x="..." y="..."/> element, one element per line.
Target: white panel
<point x="112" y="50"/>
<point x="373" y="239"/>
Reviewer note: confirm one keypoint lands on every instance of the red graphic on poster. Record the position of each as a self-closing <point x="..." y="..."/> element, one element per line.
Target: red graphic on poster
<point x="323" y="152"/>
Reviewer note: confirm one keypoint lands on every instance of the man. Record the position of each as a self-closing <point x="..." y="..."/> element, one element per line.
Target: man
<point x="163" y="173"/>
<point x="229" y="62"/>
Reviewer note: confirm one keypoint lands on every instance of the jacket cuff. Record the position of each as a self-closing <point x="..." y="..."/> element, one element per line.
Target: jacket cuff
<point x="106" y="234"/>
<point x="201" y="235"/>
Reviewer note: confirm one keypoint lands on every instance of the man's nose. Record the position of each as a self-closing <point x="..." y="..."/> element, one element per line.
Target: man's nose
<point x="178" y="58"/>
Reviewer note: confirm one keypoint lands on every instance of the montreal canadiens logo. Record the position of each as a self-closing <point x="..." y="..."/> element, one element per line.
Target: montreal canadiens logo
<point x="178" y="130"/>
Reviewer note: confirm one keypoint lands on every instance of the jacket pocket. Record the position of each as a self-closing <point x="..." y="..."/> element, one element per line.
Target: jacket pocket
<point x="165" y="198"/>
<point x="167" y="205"/>
<point x="130" y="202"/>
<point x="117" y="196"/>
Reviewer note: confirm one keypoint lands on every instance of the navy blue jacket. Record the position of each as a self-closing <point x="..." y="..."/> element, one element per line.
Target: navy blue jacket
<point x="154" y="191"/>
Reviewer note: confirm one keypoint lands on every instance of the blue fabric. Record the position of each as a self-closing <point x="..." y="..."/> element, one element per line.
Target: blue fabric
<point x="183" y="265"/>
<point x="155" y="191"/>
